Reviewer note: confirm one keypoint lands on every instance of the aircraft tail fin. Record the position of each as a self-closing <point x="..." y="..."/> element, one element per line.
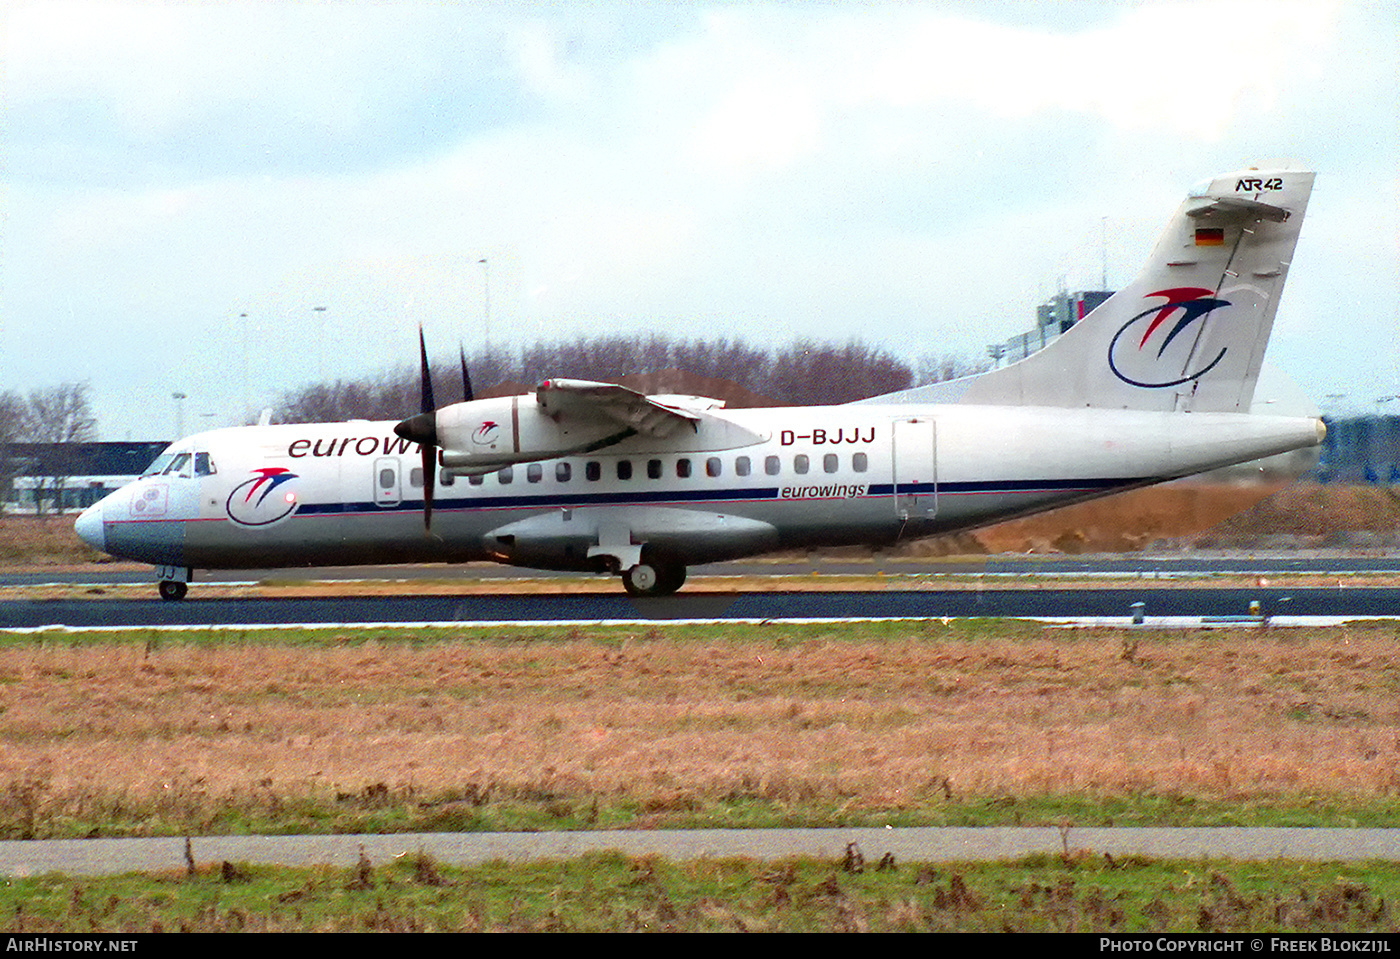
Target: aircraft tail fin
<point x="1189" y="332"/>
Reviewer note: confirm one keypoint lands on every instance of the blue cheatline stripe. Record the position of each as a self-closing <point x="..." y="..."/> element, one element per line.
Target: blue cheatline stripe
<point x="760" y="493"/>
<point x="553" y="499"/>
<point x="1037" y="486"/>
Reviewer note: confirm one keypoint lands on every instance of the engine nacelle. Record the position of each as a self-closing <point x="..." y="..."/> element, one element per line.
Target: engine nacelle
<point x="484" y="435"/>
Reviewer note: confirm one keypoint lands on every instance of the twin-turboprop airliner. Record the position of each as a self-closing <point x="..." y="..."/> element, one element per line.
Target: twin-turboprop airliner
<point x="1154" y="384"/>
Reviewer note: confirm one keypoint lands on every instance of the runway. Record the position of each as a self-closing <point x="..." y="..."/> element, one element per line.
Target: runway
<point x="990" y="567"/>
<point x="1112" y="604"/>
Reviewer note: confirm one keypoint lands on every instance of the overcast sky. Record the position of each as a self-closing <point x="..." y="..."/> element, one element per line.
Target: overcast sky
<point x="915" y="175"/>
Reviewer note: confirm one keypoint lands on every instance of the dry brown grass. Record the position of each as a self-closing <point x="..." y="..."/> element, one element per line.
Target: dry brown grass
<point x="1202" y="513"/>
<point x="1136" y="519"/>
<point x="1226" y="714"/>
<point x="42" y="541"/>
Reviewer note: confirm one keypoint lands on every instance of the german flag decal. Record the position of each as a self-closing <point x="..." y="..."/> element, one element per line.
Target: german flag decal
<point x="1210" y="236"/>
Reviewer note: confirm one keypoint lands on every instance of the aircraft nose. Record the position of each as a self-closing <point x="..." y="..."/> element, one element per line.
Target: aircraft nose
<point x="89" y="528"/>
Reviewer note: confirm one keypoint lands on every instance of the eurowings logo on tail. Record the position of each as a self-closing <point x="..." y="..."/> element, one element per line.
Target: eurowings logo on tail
<point x="1156" y="368"/>
<point x="248" y="504"/>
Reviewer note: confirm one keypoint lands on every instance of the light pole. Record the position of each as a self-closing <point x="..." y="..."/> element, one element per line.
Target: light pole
<point x="486" y="299"/>
<point x="243" y="413"/>
<point x="321" y="342"/>
<point x="179" y="399"/>
<point x="1103" y="238"/>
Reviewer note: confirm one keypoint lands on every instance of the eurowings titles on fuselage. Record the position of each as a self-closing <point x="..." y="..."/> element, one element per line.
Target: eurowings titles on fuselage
<point x="1154" y="384"/>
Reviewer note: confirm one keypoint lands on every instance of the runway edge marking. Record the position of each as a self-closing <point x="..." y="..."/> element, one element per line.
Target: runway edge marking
<point x="1196" y="622"/>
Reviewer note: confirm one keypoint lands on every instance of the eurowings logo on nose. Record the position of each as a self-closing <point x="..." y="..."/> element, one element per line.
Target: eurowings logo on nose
<point x="248" y="503"/>
<point x="273" y="476"/>
<point x="1157" y="368"/>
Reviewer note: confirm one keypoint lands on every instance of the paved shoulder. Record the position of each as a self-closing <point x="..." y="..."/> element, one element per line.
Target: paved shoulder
<point x="107" y="856"/>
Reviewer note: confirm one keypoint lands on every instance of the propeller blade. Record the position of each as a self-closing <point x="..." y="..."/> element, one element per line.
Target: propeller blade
<point x="429" y="477"/>
<point x="422" y="429"/>
<point x="427" y="405"/>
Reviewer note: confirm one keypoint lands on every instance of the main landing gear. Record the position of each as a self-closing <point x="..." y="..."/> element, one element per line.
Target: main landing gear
<point x="653" y="577"/>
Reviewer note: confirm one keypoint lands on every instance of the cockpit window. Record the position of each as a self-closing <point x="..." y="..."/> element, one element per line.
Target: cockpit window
<point x="177" y="465"/>
<point x="204" y="465"/>
<point x="161" y="462"/>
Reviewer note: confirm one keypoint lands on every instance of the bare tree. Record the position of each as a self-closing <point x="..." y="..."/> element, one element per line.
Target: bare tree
<point x="58" y="418"/>
<point x="811" y="373"/>
<point x="807" y="372"/>
<point x="12" y="421"/>
<point x="936" y="368"/>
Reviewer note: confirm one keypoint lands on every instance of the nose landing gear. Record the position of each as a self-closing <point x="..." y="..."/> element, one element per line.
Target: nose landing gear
<point x="172" y="589"/>
<point x="174" y="581"/>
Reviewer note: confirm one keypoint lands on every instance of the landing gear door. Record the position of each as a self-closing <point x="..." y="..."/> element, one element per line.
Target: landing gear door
<point x="387" y="489"/>
<point x="915" y="475"/>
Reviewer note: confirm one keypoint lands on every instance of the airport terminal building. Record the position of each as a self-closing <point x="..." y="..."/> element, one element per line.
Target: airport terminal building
<point x="69" y="477"/>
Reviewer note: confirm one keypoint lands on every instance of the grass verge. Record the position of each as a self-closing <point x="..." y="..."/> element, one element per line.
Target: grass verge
<point x="614" y="893"/>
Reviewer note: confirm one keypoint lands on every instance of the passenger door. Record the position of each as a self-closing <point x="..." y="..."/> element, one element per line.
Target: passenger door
<point x="915" y="471"/>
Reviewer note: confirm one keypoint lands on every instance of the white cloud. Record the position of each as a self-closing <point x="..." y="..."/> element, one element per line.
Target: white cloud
<point x="890" y="171"/>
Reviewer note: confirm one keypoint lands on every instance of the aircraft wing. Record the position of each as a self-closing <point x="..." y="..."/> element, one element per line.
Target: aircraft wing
<point x="636" y="411"/>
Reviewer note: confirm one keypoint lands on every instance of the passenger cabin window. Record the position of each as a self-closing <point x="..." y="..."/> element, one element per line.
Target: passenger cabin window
<point x="771" y="466"/>
<point x="563" y="472"/>
<point x="860" y="463"/>
<point x="476" y="479"/>
<point x="415" y="477"/>
<point x="713" y="466"/>
<point x="445" y="478"/>
<point x="386" y="478"/>
<point x="741" y="466"/>
<point x="830" y="462"/>
<point x="653" y="469"/>
<point x="800" y="463"/>
<point x="624" y="469"/>
<point x="506" y="476"/>
<point x="593" y="471"/>
<point x="683" y="468"/>
<point x="534" y="473"/>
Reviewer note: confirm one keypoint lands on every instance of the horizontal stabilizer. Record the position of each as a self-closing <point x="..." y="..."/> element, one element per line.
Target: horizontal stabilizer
<point x="1238" y="208"/>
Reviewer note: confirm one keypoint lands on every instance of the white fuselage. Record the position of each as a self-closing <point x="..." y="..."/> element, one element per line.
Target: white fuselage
<point x="1151" y="385"/>
<point x="352" y="493"/>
